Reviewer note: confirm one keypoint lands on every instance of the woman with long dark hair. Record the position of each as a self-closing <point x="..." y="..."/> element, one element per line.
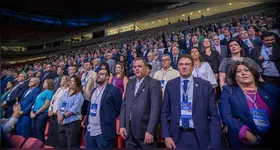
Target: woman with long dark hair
<point x="249" y="108"/>
<point x="69" y="114"/>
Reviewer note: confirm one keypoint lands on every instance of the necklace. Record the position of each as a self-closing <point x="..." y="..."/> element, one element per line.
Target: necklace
<point x="253" y="92"/>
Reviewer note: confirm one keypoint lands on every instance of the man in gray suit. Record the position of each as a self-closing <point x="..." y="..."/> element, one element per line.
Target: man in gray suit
<point x="156" y="65"/>
<point x="141" y="109"/>
<point x="111" y="62"/>
<point x="222" y="49"/>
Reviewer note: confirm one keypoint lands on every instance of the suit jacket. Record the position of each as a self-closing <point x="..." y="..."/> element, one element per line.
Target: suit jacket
<point x="235" y="113"/>
<point x="17" y="93"/>
<point x="57" y="81"/>
<point x="144" y="107"/>
<point x="225" y="41"/>
<point x="146" y="55"/>
<point x="4" y="82"/>
<point x="90" y="84"/>
<point x="27" y="101"/>
<point x="156" y="66"/>
<point x="46" y="75"/>
<point x="204" y="113"/>
<point x="258" y="41"/>
<point x="246" y="48"/>
<point x="224" y="51"/>
<point x="255" y="53"/>
<point x="112" y="65"/>
<point x="275" y="57"/>
<point x="110" y="107"/>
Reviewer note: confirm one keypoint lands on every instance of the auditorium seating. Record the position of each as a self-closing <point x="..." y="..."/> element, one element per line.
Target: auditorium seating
<point x="16" y="141"/>
<point x="33" y="143"/>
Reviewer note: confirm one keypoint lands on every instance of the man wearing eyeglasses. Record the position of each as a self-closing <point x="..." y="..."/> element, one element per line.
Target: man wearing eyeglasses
<point x="189" y="117"/>
<point x="104" y="108"/>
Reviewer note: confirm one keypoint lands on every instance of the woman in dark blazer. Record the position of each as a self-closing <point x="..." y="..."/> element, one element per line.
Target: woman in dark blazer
<point x="248" y="108"/>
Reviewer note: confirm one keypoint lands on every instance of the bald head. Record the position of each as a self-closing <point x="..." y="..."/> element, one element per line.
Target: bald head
<point x="34" y="82"/>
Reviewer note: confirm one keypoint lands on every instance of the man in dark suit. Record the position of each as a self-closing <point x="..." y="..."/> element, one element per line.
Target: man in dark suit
<point x="246" y="43"/>
<point x="15" y="94"/>
<point x="48" y="74"/>
<point x="141" y="109"/>
<point x="8" y="77"/>
<point x="175" y="55"/>
<point x="222" y="49"/>
<point x="23" y="126"/>
<point x="144" y="52"/>
<point x="189" y="117"/>
<point x="252" y="34"/>
<point x="104" y="108"/>
<point x="227" y="37"/>
<point x="57" y="79"/>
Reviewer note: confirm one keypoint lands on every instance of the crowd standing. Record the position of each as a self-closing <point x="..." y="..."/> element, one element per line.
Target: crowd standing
<point x="185" y="85"/>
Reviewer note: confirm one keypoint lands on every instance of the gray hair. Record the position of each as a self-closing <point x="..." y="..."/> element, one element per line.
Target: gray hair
<point x="24" y="74"/>
<point x="37" y="81"/>
<point x="166" y="55"/>
<point x="151" y="53"/>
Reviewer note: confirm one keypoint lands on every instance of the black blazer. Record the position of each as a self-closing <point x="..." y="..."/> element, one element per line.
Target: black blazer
<point x="144" y="108"/>
<point x="214" y="60"/>
<point x="110" y="107"/>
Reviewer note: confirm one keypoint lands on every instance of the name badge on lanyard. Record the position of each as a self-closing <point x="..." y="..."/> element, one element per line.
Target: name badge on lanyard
<point x="186" y="110"/>
<point x="162" y="83"/>
<point x="260" y="118"/>
<point x="63" y="107"/>
<point x="93" y="109"/>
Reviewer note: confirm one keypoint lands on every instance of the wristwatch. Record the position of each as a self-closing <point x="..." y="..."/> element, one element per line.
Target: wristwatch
<point x="63" y="116"/>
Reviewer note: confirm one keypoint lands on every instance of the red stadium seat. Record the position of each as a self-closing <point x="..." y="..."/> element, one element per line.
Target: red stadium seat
<point x="33" y="143"/>
<point x="47" y="129"/>
<point x="46" y="146"/>
<point x="16" y="141"/>
<point x="82" y="146"/>
<point x="8" y="135"/>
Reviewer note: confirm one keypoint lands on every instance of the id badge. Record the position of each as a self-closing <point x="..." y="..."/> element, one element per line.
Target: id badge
<point x="93" y="109"/>
<point x="186" y="110"/>
<point x="162" y="83"/>
<point x="63" y="107"/>
<point x="260" y="118"/>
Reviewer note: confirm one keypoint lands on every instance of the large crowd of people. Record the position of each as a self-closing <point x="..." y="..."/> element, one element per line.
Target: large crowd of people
<point x="183" y="86"/>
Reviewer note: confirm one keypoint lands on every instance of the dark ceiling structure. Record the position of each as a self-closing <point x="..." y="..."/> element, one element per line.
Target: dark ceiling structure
<point x="29" y="20"/>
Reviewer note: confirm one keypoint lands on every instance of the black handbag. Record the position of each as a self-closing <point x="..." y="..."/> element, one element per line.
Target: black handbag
<point x="225" y="137"/>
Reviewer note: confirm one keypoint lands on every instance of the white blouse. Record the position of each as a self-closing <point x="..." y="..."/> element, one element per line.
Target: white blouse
<point x="205" y="72"/>
<point x="56" y="99"/>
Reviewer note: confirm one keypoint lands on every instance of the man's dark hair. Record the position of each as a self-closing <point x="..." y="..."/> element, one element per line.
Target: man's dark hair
<point x="150" y="66"/>
<point x="142" y="59"/>
<point x="186" y="56"/>
<point x="267" y="34"/>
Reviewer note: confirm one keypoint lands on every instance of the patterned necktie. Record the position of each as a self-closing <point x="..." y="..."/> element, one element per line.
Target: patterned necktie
<point x="175" y="61"/>
<point x="137" y="87"/>
<point x="185" y="121"/>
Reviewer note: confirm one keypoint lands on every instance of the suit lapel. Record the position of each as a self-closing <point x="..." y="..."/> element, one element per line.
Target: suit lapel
<point x="146" y="79"/>
<point x="177" y="89"/>
<point x="104" y="94"/>
<point x="195" y="92"/>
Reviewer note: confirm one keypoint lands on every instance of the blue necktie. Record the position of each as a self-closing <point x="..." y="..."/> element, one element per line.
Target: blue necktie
<point x="185" y="121"/>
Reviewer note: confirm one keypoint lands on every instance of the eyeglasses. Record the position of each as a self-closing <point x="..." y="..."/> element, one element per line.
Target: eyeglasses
<point x="165" y="59"/>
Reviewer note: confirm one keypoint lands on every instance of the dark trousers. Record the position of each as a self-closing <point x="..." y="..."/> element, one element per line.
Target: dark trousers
<point x="39" y="125"/>
<point x="53" y="139"/>
<point x="23" y="126"/>
<point x="85" y="108"/>
<point x="68" y="134"/>
<point x="132" y="142"/>
<point x="97" y="141"/>
<point x="187" y="139"/>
